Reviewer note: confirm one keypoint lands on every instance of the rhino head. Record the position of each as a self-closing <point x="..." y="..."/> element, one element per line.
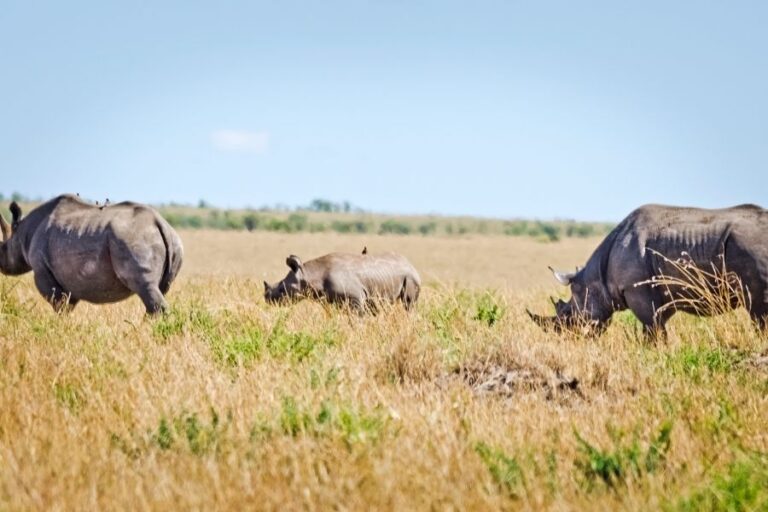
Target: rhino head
<point x="292" y="287"/>
<point x="588" y="311"/>
<point x="12" y="261"/>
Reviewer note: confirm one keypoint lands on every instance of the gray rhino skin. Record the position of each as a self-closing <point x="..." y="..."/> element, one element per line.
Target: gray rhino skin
<point x="644" y="246"/>
<point x="79" y="251"/>
<point x="357" y="280"/>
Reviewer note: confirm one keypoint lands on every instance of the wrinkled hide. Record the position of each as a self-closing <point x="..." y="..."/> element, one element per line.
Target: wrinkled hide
<point x="78" y="251"/>
<point x="359" y="280"/>
<point x="661" y="244"/>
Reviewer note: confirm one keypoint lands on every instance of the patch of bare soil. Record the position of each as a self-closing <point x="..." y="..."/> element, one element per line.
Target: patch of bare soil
<point x="507" y="381"/>
<point x="758" y="361"/>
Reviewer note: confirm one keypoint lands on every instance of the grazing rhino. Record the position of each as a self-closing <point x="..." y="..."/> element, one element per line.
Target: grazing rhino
<point x="79" y="251"/>
<point x="646" y="262"/>
<point x="358" y="280"/>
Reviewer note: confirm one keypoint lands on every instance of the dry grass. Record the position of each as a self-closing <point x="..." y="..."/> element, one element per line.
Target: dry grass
<point x="462" y="404"/>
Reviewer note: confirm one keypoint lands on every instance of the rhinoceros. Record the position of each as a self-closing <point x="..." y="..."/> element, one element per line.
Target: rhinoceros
<point x="663" y="259"/>
<point x="78" y="251"/>
<point x="357" y="280"/>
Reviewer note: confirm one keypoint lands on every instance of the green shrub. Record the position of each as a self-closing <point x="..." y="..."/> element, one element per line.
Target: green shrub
<point x="394" y="227"/>
<point x="192" y="319"/>
<point x="353" y="425"/>
<point x="614" y="466"/>
<point x="189" y="431"/>
<point x="698" y="362"/>
<point x="428" y="228"/>
<point x="516" y="228"/>
<point x="253" y="342"/>
<point x="69" y="396"/>
<point x="251" y="221"/>
<point x="488" y="310"/>
<point x="743" y="486"/>
<point x="504" y="469"/>
<point x="353" y="226"/>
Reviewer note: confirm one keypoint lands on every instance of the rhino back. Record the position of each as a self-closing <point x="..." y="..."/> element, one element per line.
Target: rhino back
<point x="372" y="275"/>
<point x="384" y="275"/>
<point x="83" y="246"/>
<point x="701" y="233"/>
<point x="650" y="238"/>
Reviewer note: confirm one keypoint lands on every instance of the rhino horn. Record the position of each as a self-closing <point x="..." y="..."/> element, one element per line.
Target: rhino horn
<point x="545" y="322"/>
<point x="563" y="278"/>
<point x="5" y="228"/>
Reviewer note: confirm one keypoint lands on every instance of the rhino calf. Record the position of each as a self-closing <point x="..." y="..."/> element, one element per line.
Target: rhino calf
<point x="660" y="244"/>
<point x="357" y="280"/>
<point x="78" y="251"/>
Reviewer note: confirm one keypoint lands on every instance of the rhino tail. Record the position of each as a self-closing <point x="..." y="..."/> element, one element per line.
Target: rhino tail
<point x="173" y="253"/>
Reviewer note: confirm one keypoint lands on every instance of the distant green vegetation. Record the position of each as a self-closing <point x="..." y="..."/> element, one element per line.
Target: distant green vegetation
<point x="326" y="216"/>
<point x="306" y="221"/>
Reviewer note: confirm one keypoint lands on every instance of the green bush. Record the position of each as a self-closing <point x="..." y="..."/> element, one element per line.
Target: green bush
<point x="428" y="228"/>
<point x="251" y="221"/>
<point x="488" y="310"/>
<point x="394" y="227"/>
<point x="743" y="486"/>
<point x="351" y="226"/>
<point x="614" y="466"/>
<point x="187" y="429"/>
<point x="254" y="342"/>
<point x="504" y="469"/>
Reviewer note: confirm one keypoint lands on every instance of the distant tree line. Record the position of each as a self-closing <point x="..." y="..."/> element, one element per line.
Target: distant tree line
<point x="322" y="215"/>
<point x="311" y="222"/>
<point x="16" y="196"/>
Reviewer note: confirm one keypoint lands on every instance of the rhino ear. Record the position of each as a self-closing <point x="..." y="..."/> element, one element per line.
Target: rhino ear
<point x="266" y="286"/>
<point x="16" y="214"/>
<point x="294" y="263"/>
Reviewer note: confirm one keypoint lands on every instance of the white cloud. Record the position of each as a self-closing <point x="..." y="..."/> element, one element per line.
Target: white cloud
<point x="240" y="141"/>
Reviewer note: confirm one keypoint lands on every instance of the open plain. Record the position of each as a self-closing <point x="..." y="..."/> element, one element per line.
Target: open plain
<point x="461" y="404"/>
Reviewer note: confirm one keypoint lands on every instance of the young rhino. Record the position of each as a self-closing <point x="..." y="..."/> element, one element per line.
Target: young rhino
<point x="357" y="280"/>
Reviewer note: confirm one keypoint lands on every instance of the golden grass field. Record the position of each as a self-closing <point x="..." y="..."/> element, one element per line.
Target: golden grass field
<point x="462" y="404"/>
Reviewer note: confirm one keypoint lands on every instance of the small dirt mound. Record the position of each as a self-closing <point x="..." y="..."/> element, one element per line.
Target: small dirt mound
<point x="757" y="361"/>
<point x="508" y="381"/>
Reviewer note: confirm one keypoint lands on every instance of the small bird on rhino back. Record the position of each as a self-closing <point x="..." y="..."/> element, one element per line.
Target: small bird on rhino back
<point x="78" y="251"/>
<point x="356" y="280"/>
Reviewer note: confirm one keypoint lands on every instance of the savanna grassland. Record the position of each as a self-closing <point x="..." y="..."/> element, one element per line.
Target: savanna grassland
<point x="462" y="404"/>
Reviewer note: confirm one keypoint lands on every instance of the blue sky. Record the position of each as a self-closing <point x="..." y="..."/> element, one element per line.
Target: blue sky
<point x="541" y="109"/>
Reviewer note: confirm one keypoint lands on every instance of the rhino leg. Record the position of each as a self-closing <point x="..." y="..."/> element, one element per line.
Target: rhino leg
<point x="60" y="299"/>
<point x="759" y="315"/>
<point x="140" y="270"/>
<point x="153" y="300"/>
<point x="355" y="302"/>
<point x="345" y="293"/>
<point x="643" y="305"/>
<point x="654" y="332"/>
<point x="146" y="288"/>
